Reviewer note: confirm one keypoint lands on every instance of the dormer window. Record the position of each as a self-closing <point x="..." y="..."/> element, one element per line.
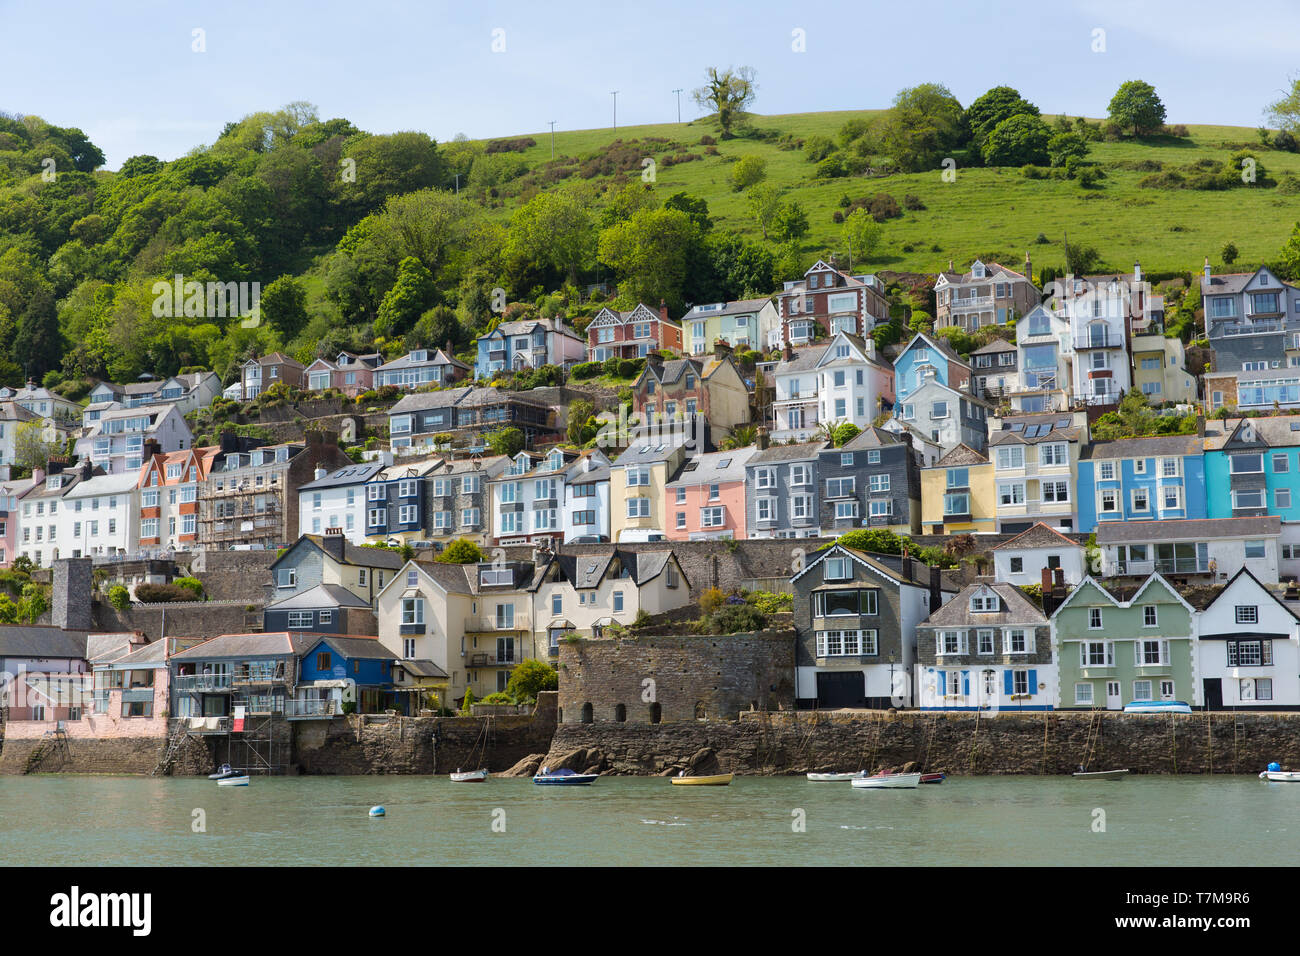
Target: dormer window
<point x="837" y="569"/>
<point x="984" y="603"/>
<point x="419" y="355"/>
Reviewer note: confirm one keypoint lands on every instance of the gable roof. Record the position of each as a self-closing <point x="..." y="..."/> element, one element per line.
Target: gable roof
<point x="322" y="595"/>
<point x="886" y="565"/>
<point x="1037" y="536"/>
<point x="1158" y="446"/>
<point x="353" y="554"/>
<point x="939" y="345"/>
<point x="1016" y="608"/>
<point x="1119" y="602"/>
<point x="40" y="640"/>
<point x="961" y="454"/>
<point x="1220" y="591"/>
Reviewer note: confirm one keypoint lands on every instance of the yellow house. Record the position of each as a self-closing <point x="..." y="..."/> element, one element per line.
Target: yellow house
<point x="958" y="494"/>
<point x="582" y="594"/>
<point x="1159" y="368"/>
<point x="637" y="488"/>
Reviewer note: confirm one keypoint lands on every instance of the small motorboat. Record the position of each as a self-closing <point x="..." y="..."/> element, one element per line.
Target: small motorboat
<point x="933" y="777"/>
<point x="469" y="776"/>
<point x="1101" y="774"/>
<point x="237" y="781"/>
<point x="1157" y="707"/>
<point x="835" y="777"/>
<point x="222" y="772"/>
<point x="712" y="780"/>
<point x="887" y="781"/>
<point x="1275" y="774"/>
<point x="564" y="778"/>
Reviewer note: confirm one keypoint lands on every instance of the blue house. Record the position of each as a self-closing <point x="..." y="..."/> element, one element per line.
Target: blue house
<point x="334" y="670"/>
<point x="927" y="359"/>
<point x="1141" y="479"/>
<point x="1252" y="468"/>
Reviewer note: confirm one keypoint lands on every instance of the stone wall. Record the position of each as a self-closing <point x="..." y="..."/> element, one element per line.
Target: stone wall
<point x="181" y="618"/>
<point x="234" y="575"/>
<point x="80" y="755"/>
<point x="956" y="743"/>
<point x="675" y="678"/>
<point x="422" y="745"/>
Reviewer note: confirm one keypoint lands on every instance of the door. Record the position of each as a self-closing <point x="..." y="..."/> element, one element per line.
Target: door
<point x="1113" y="701"/>
<point x="1213" y="693"/>
<point x="841" y="689"/>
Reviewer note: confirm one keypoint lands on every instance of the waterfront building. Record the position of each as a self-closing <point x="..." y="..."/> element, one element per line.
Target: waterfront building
<point x="337" y="500"/>
<point x="1247" y="648"/>
<point x="324" y="609"/>
<point x="1204" y="551"/>
<point x="1021" y="560"/>
<point x="783" y="492"/>
<point x="458" y="502"/>
<point x="168" y="489"/>
<point x="1035" y="462"/>
<point x="987" y="649"/>
<point x="872" y="481"/>
<point x="638" y="480"/>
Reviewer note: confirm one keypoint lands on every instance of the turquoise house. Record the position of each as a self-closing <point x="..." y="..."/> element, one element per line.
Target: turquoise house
<point x="1252" y="468"/>
<point x="927" y="359"/>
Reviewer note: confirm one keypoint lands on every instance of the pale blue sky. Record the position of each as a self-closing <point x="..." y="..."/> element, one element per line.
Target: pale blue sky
<point x="125" y="72"/>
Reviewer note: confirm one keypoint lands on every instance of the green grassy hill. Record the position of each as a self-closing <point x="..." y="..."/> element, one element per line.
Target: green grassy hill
<point x="993" y="213"/>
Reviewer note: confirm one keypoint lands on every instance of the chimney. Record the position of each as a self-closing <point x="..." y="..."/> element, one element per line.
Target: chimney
<point x="319" y="473"/>
<point x="151" y="448"/>
<point x="1046" y="581"/>
<point x="762" y="438"/>
<point x="907" y="565"/>
<point x="1059" y="574"/>
<point x="1029" y="269"/>
<point x="950" y="268"/>
<point x="447" y="348"/>
<point x="655" y="359"/>
<point x="721" y="350"/>
<point x="663" y="310"/>
<point x="1137" y="273"/>
<point x="936" y="588"/>
<point x="788" y="351"/>
<point x="38" y="475"/>
<point x="70" y="601"/>
<point x="333" y="544"/>
<point x="871" y="348"/>
<point x="1207" y="268"/>
<point x="229" y="441"/>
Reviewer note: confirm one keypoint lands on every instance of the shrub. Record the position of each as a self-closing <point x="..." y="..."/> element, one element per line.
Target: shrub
<point x="499" y="697"/>
<point x="467" y="703"/>
<point x="461" y="551"/>
<point x="832" y="167"/>
<point x="1030" y="171"/>
<point x="711" y="600"/>
<point x="161" y="593"/>
<point x="883" y="206"/>
<point x="529" y="678"/>
<point x="1229" y="254"/>
<point x="913" y="202"/>
<point x="837" y="217"/>
<point x="627" y="368"/>
<point x="119" y="597"/>
<point x="734" y="618"/>
<point x="770" y="602"/>
<point x="585" y="370"/>
<point x="817" y="148"/>
<point x="191" y="584"/>
<point x="708" y="141"/>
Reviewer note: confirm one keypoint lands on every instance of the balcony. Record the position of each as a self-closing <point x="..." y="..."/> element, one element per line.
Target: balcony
<point x="204" y="683"/>
<point x="1098" y="342"/>
<point x="491" y="660"/>
<point x="270" y="674"/>
<point x="310" y="709"/>
<point x="971" y="302"/>
<point x="486" y="624"/>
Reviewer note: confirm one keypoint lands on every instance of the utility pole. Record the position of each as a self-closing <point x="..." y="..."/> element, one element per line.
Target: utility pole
<point x="614" y="93"/>
<point x="678" y="91"/>
<point x="458" y="184"/>
<point x="552" y="139"/>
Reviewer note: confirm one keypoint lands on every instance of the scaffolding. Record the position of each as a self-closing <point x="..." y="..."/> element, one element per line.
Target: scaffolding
<point x="244" y="512"/>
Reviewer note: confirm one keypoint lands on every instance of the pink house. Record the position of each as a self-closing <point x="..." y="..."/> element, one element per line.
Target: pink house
<point x="706" y="498"/>
<point x="634" y="334"/>
<point x="351" y="374"/>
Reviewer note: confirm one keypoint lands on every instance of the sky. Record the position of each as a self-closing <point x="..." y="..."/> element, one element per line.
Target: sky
<point x="131" y="76"/>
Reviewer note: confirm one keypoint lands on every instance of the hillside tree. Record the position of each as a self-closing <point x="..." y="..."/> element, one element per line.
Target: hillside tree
<point x="1135" y="106"/>
<point x="728" y="94"/>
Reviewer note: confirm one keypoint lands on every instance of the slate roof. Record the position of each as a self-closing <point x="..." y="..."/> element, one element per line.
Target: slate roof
<point x="804" y="359"/>
<point x="322" y="595"/>
<point x="351" y="475"/>
<point x="870" y="437"/>
<point x="1230" y="283"/>
<point x="352" y="553"/>
<point x="420" y="401"/>
<point x="1162" y="446"/>
<point x="349" y="646"/>
<point x="961" y="454"/>
<point x="35" y="640"/>
<point x="997" y="345"/>
<point x="1038" y="536"/>
<point x="738" y="307"/>
<point x="708" y="468"/>
<point x="658" y="451"/>
<point x="1123" y="532"/>
<point x="436" y="357"/>
<point x="1278" y="431"/>
<point x="1017" y="608"/>
<point x="779" y="453"/>
<point x="585" y="571"/>
<point x="422" y="668"/>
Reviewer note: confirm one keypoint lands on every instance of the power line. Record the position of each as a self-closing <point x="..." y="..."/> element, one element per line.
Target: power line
<point x="678" y="91"/>
<point x="614" y="93"/>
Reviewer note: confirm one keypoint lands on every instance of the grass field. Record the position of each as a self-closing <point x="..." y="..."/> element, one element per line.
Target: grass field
<point x="991" y="213"/>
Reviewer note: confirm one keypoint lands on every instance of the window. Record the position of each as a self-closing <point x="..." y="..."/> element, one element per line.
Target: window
<point x="879" y="483"/>
<point x="984" y="603"/>
<point x="1149" y="616"/>
<point x="837" y="569"/>
<point x="1250" y="653"/>
<point x="1106" y="471"/>
<point x="956" y="504"/>
<point x="377" y="517"/>
<point x="286" y="577"/>
<point x="1011" y="493"/>
<point x="412" y="611"/>
<point x="1141" y="690"/>
<point x="375" y="492"/>
<point x="765" y="478"/>
<point x="950" y="642"/>
<point x="1020" y="683"/>
<point x="1281" y="464"/>
<point x="846" y="509"/>
<point x="800" y="475"/>
<point x="985" y="641"/>
<point x="638" y="507"/>
<point x="958" y="477"/>
<point x="842" y="602"/>
<point x="1011" y="457"/>
<point x="1172" y="498"/>
<point x="1246" y="464"/>
<point x="300" y="620"/>
<point x="939" y="410"/>
<point x="1255" y="549"/>
<point x="1083" y="695"/>
<point x="1016" y="641"/>
<point x="1170" y="467"/>
<point x="1247" y="614"/>
<point x="1053" y="454"/>
<point x="409" y="514"/>
<point x="362" y="575"/>
<point x="712" y="517"/>
<point x="1017" y="565"/>
<point x="839" y="487"/>
<point x="846" y="643"/>
<point x="1094" y="619"/>
<point x="1147" y="653"/>
<point x="1096" y="654"/>
<point x="1282" y="498"/>
<point x="1141" y="499"/>
<point x="880" y="507"/>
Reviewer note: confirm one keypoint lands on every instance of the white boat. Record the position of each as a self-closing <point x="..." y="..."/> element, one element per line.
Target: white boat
<point x="241" y="781"/>
<point x="1101" y="774"/>
<point x="888" y="781"/>
<point x="469" y="776"/>
<point x="1157" y="707"/>
<point x="224" y="771"/>
<point x="1281" y="776"/>
<point x="835" y="777"/>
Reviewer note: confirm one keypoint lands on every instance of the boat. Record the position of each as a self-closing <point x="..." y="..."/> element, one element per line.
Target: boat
<point x="1101" y="774"/>
<point x="933" y="777"/>
<point x="835" y="777"/>
<point x="711" y="780"/>
<point x="469" y="776"/>
<point x="1157" y="707"/>
<point x="222" y="772"/>
<point x="564" y="778"/>
<point x="888" y="781"/>
<point x="1275" y="774"/>
<point x="238" y="781"/>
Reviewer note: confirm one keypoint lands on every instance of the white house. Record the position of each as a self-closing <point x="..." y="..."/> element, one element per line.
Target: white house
<point x="1213" y="548"/>
<point x="586" y="514"/>
<point x="1248" y="649"/>
<point x="557" y="497"/>
<point x="99" y="516"/>
<point x="840" y="382"/>
<point x="1021" y="560"/>
<point x="338" y="500"/>
<point x="116" y="441"/>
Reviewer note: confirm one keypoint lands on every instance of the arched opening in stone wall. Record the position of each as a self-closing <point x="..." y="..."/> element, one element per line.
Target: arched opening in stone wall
<point x="701" y="712"/>
<point x="586" y="713"/>
<point x="620" y="713"/>
<point x="656" y="713"/>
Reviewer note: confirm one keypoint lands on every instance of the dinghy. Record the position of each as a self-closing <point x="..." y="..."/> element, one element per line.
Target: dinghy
<point x="933" y="777"/>
<point x="1281" y="776"/>
<point x="564" y="778"/>
<point x="888" y="781"/>
<point x="239" y="781"/>
<point x="223" y="771"/>
<point x="469" y="776"/>
<point x="1101" y="774"/>
<point x="835" y="777"/>
<point x="713" y="780"/>
<point x="1157" y="707"/>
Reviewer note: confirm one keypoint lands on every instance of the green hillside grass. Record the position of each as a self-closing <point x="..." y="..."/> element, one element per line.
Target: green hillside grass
<point x="988" y="212"/>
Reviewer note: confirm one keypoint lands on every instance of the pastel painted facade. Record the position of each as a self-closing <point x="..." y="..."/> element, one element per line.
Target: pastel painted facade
<point x="348" y="373"/>
<point x="706" y="501"/>
<point x="1248" y="649"/>
<point x="638" y="480"/>
<point x="1141" y="479"/>
<point x="986" y="294"/>
<point x="633" y="334"/>
<point x="336" y="501"/>
<point x="579" y="595"/>
<point x="116" y="442"/>
<point x="826" y="302"/>
<point x="11" y="494"/>
<point x="988" y="649"/>
<point x="168" y="489"/>
<point x="743" y="324"/>
<point x="842" y="382"/>
<point x="928" y="359"/>
<point x="958" y="494"/>
<point x="1035" y="463"/>
<point x="421" y="367"/>
<point x="527" y="499"/>
<point x="330" y="559"/>
<point x="1113" y="651"/>
<point x="530" y="343"/>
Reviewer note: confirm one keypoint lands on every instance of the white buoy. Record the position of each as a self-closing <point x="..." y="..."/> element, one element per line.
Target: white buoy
<point x="376" y="811"/>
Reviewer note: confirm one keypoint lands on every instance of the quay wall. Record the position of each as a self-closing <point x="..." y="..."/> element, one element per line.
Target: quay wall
<point x="956" y="743"/>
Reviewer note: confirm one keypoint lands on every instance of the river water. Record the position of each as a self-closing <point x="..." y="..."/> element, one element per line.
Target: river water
<point x="990" y="821"/>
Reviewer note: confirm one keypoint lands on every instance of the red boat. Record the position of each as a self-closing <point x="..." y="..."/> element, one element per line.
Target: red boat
<point x="933" y="777"/>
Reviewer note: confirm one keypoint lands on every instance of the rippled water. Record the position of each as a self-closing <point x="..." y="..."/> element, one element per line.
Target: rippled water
<point x="79" y="821"/>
